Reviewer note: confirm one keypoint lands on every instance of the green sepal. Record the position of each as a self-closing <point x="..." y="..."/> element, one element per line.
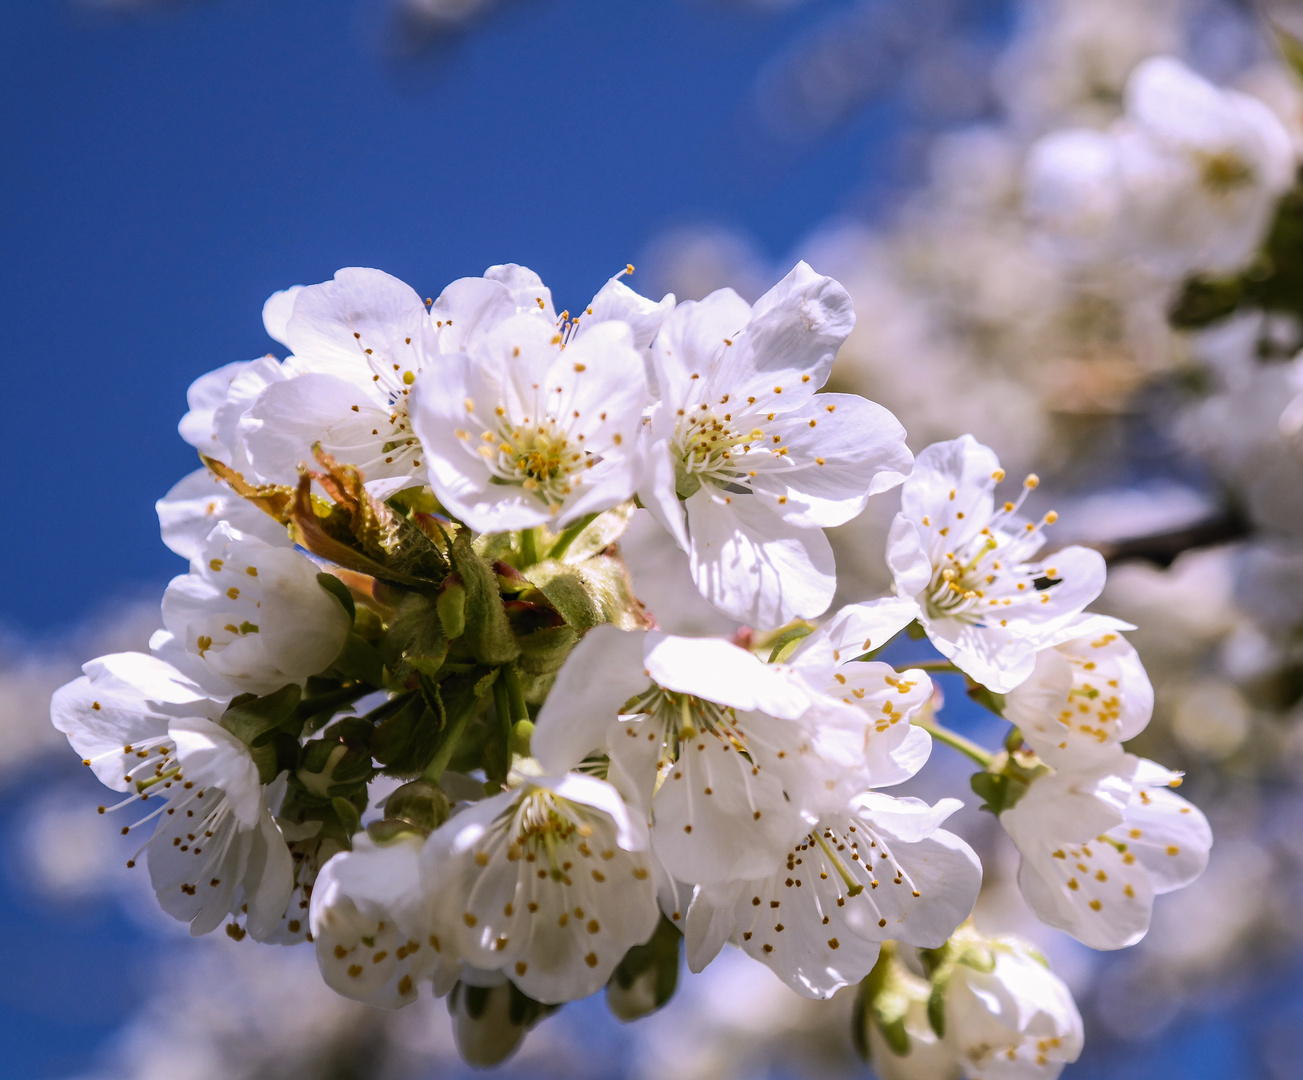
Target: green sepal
<point x="788" y="642"/>
<point x="936" y="1002"/>
<point x="415" y="640"/>
<point x="657" y="959"/>
<point x="979" y="958"/>
<point x="567" y="591"/>
<point x="916" y="631"/>
<point x="999" y="792"/>
<point x="252" y="719"/>
<point x="404" y="741"/>
<point x="266" y="758"/>
<point x="359" y="660"/>
<point x="544" y="651"/>
<point x="349" y="818"/>
<point x="340" y="592"/>
<point x="487" y="633"/>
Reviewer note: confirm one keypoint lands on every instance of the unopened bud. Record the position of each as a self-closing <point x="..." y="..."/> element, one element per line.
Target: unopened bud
<point x="647" y="976"/>
<point x="521" y="731"/>
<point x="419" y="804"/>
<point x="488" y="1022"/>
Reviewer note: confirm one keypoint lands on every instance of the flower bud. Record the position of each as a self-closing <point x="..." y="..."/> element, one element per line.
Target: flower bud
<point x="1000" y="1010"/>
<point x="488" y="1022"/>
<point x="419" y="804"/>
<point x="647" y="976"/>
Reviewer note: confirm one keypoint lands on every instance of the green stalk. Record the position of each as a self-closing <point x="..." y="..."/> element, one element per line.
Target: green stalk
<point x="953" y="739"/>
<point x="567" y="537"/>
<point x="515" y="696"/>
<point x="456" y="729"/>
<point x="528" y="547"/>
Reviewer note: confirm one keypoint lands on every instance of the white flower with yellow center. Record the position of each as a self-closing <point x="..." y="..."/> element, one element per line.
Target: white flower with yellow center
<point x="734" y="760"/>
<point x="550" y="883"/>
<point x="746" y="464"/>
<point x="532" y="426"/>
<point x="1186" y="181"/>
<point x="250" y="616"/>
<point x="1099" y="844"/>
<point x="1201" y="168"/>
<point x="198" y="503"/>
<point x="147" y="730"/>
<point x="969" y="568"/>
<point x="358" y="343"/>
<point x="372" y="942"/>
<point x="882" y="869"/>
<point x="1085" y="697"/>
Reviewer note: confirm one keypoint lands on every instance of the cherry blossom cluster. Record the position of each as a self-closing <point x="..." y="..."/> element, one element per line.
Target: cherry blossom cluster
<point x="406" y="706"/>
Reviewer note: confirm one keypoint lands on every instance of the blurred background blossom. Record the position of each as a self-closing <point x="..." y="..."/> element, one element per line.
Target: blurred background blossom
<point x="1164" y="446"/>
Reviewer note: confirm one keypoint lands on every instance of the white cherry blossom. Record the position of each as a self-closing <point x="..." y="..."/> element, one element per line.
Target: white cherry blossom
<point x="1201" y="167"/>
<point x="147" y="730"/>
<point x="881" y="869"/>
<point x="550" y="884"/>
<point x="746" y="464"/>
<point x="1015" y="1022"/>
<point x="250" y="616"/>
<point x="1085" y="697"/>
<point x="368" y="928"/>
<point x="1185" y="181"/>
<point x="198" y="503"/>
<point x="1099" y="844"/>
<point x="528" y="428"/>
<point x="733" y="758"/>
<point x="985" y="601"/>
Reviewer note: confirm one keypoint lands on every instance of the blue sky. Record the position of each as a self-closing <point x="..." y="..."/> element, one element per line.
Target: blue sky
<point x="164" y="174"/>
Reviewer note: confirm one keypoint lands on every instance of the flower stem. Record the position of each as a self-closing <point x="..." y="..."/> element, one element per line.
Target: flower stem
<point x="515" y="696"/>
<point x="953" y="739"/>
<point x="528" y="547"/>
<point x="568" y="535"/>
<point x="940" y="667"/>
<point x="452" y="736"/>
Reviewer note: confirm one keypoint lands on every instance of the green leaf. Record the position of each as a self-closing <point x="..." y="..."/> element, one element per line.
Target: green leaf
<point x="487" y="635"/>
<point x="405" y="740"/>
<point x="250" y="719"/>
<point x="647" y="976"/>
<point x="340" y="592"/>
<point x="348" y="815"/>
<point x="359" y="660"/>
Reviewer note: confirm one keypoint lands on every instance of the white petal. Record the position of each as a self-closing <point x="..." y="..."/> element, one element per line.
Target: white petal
<point x="602" y="672"/>
<point x="841" y="448"/>
<point x="376" y="307"/>
<point x="721" y="672"/>
<point x="276" y="313"/>
<point x="718" y="816"/>
<point x="210" y="756"/>
<point x="754" y="567"/>
<point x="195" y="505"/>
